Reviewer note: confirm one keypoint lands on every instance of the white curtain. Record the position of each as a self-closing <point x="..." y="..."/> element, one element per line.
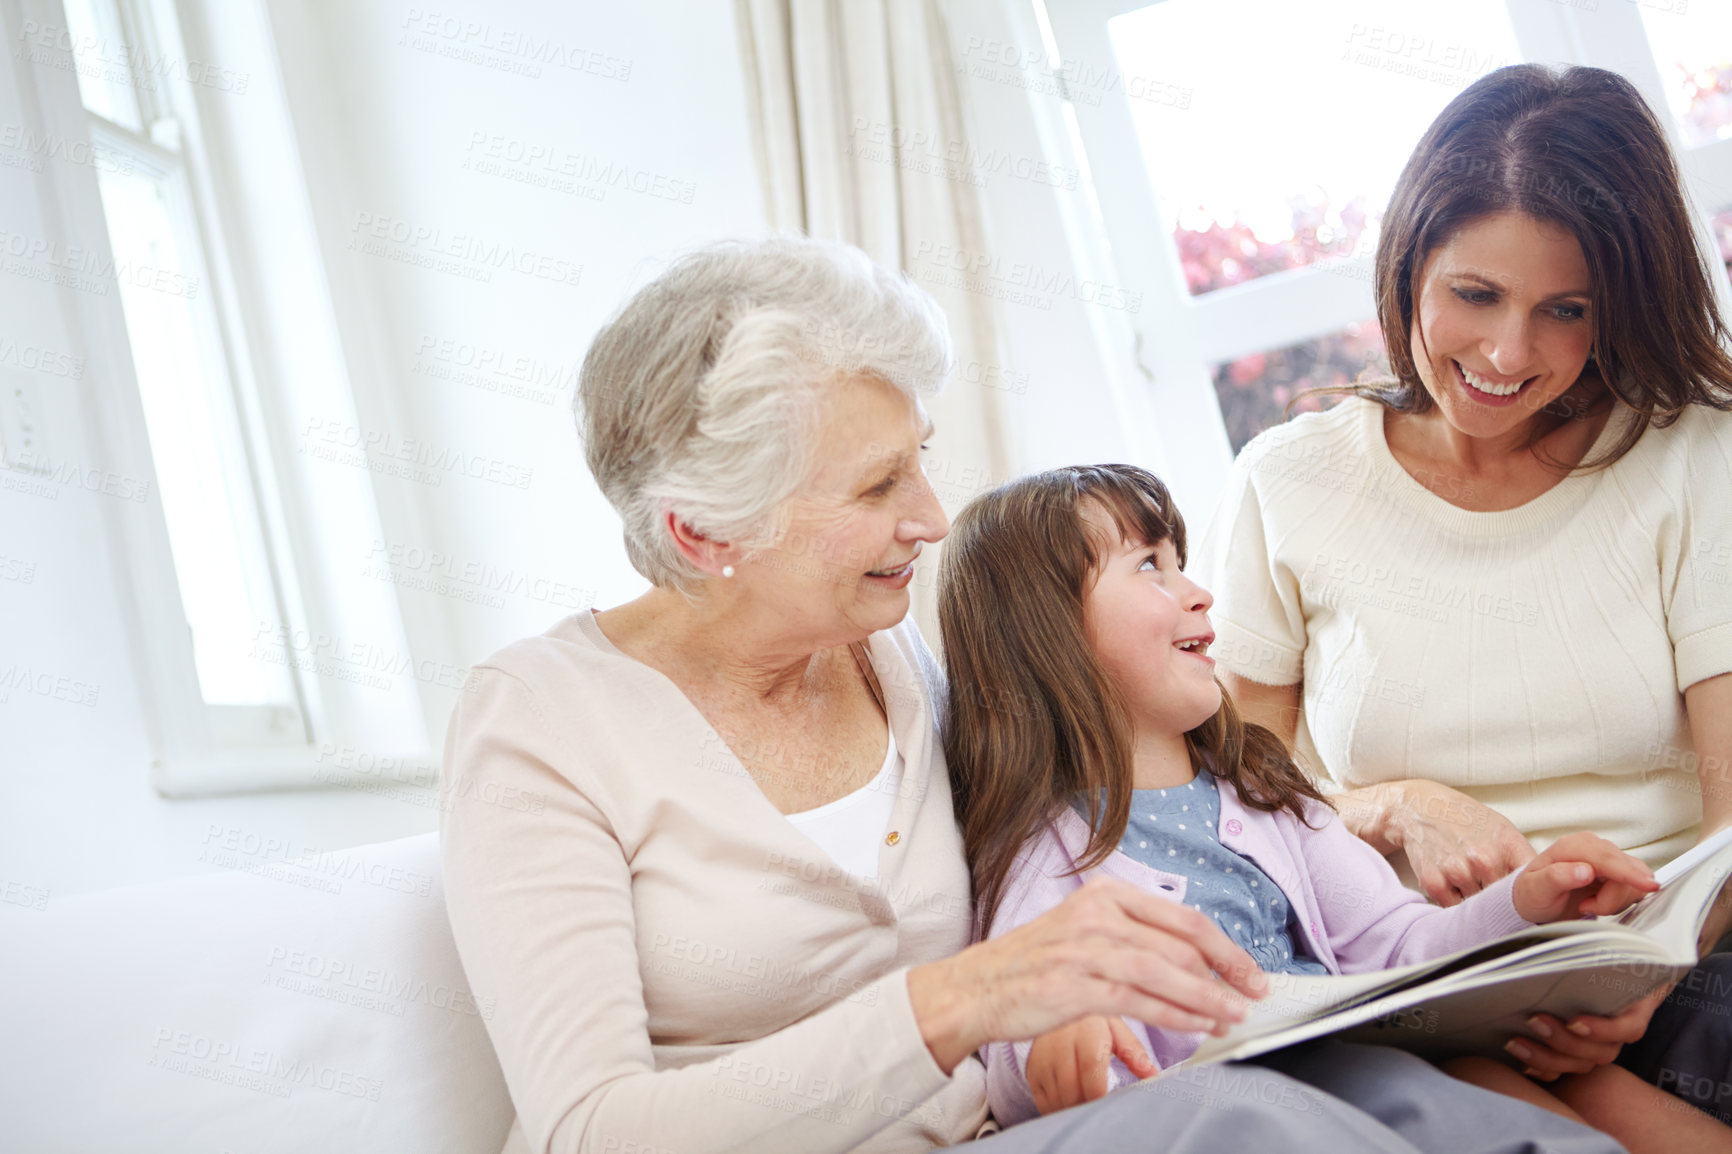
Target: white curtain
<point x="855" y="104"/>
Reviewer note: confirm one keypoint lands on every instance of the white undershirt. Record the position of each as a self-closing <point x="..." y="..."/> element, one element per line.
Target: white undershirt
<point x="851" y="828"/>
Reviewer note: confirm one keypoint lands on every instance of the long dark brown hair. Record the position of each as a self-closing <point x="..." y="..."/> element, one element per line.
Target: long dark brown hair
<point x="1579" y="148"/>
<point x="1032" y="719"/>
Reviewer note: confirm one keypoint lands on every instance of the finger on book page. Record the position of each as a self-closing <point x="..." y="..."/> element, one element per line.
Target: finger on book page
<point x="1612" y="897"/>
<point x="1610" y="863"/>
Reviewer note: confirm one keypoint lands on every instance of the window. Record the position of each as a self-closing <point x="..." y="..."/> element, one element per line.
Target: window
<point x="1240" y="188"/>
<point x="132" y="73"/>
<point x="1693" y="47"/>
<point x="1260" y="389"/>
<point x="268" y="655"/>
<point x="1273" y="177"/>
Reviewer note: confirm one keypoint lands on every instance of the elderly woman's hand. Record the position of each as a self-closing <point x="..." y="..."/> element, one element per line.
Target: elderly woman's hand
<point x="1107" y="949"/>
<point x="1456" y="845"/>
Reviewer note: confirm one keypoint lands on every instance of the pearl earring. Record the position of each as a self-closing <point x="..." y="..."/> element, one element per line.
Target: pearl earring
<point x="727" y="570"/>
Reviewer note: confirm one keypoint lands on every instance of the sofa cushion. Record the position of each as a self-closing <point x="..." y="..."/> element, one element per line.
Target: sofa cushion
<point x="287" y="1005"/>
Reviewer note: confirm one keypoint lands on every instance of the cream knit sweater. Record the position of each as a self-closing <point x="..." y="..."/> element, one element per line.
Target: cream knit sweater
<point x="1534" y="658"/>
<point x="677" y="967"/>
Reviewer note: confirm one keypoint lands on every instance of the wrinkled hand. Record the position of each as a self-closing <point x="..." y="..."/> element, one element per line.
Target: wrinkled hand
<point x="1580" y="875"/>
<point x="1553" y="1047"/>
<point x="1456" y="845"/>
<point x="1069" y="1065"/>
<point x="1109" y="948"/>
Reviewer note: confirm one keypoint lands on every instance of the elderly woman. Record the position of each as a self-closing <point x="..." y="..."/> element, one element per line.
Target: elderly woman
<point x="736" y="915"/>
<point x="1491" y="599"/>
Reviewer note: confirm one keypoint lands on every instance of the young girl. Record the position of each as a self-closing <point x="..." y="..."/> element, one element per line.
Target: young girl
<point x="1086" y="735"/>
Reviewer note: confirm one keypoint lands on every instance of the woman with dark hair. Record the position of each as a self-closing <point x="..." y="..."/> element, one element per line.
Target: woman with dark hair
<point x="1489" y="600"/>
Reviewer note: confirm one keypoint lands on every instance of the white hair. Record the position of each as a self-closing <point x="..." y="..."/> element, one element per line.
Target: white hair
<point x="704" y="393"/>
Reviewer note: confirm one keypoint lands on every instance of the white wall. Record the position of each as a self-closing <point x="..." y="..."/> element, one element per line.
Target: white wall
<point x="385" y="122"/>
<point x="72" y="745"/>
<point x="412" y="128"/>
<point x="412" y="133"/>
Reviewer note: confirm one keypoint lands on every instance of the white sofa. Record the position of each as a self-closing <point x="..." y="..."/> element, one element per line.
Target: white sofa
<point x="279" y="1007"/>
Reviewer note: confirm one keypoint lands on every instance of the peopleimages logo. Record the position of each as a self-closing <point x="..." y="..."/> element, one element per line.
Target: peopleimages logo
<point x="1017" y="282"/>
<point x="40" y="360"/>
<point x="83" y="268"/>
<point x="55" y="686"/>
<point x="462" y="253"/>
<point x="413" y="458"/>
<point x="253" y="1067"/>
<point x="504" y="48"/>
<point x="99" y="58"/>
<point x="310" y="972"/>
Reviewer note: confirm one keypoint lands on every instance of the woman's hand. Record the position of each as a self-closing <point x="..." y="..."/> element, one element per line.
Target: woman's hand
<point x="1109" y="948"/>
<point x="1585" y="1042"/>
<point x="1580" y="875"/>
<point x="1069" y="1065"/>
<point x="1717" y="924"/>
<point x="1456" y="845"/>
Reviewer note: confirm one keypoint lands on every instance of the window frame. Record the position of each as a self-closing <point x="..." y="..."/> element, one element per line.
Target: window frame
<point x="197" y="748"/>
<point x="230" y="725"/>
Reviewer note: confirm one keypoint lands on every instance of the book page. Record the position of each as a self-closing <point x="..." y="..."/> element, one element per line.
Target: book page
<point x="1464" y="1002"/>
<point x="1296" y="1000"/>
<point x="1445" y="1024"/>
<point x="1455" y="1011"/>
<point x="1687" y="860"/>
<point x="1689" y="884"/>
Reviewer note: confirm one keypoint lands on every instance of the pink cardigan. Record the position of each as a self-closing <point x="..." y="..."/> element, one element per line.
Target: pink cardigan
<point x="1353" y="914"/>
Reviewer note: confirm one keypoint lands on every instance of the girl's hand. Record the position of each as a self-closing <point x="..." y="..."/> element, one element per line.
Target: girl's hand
<point x="1069" y="1065"/>
<point x="1456" y="845"/>
<point x="1109" y="948"/>
<point x="1581" y="875"/>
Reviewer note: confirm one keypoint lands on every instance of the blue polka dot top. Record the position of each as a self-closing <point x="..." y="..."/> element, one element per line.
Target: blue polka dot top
<point x="1175" y="830"/>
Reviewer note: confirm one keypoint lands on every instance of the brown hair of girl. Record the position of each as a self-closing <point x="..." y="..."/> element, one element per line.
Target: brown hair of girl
<point x="1031" y="718"/>
<point x="1578" y="148"/>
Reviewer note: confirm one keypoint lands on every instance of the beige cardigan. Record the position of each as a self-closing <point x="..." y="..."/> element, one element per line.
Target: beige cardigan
<point x="676" y="968"/>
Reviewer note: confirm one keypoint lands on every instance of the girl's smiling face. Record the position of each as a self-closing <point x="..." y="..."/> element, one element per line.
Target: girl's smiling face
<point x="1148" y="624"/>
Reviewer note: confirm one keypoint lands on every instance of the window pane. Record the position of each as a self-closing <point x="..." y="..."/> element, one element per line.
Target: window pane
<point x="1693" y="48"/>
<point x="206" y="495"/>
<point x="1254" y="390"/>
<point x="1289" y="155"/>
<point x="103" y="61"/>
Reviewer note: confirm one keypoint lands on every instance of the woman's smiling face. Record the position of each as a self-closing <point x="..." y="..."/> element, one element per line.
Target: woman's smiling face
<point x="1504" y="322"/>
<point x="843" y="558"/>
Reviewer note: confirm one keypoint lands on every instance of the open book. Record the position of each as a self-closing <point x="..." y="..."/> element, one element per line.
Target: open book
<point x="1474" y="1001"/>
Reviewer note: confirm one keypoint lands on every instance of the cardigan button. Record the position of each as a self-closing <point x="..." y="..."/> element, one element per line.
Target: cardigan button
<point x="1234" y="827"/>
<point x="892" y="838"/>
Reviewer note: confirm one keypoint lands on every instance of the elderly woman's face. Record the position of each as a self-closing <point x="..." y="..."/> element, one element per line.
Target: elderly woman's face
<point x="846" y="558"/>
